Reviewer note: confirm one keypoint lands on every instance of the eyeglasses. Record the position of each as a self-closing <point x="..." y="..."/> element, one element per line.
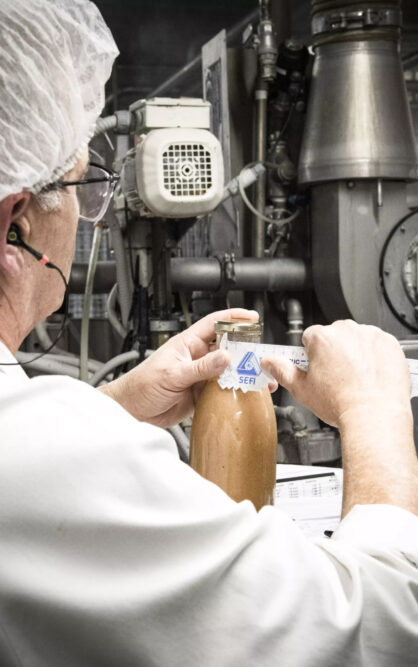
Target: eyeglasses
<point x="94" y="199"/>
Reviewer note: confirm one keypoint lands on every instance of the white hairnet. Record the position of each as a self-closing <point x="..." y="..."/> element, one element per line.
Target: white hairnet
<point x="55" y="56"/>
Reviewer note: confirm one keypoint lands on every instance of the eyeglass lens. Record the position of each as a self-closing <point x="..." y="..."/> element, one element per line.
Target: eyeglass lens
<point x="94" y="198"/>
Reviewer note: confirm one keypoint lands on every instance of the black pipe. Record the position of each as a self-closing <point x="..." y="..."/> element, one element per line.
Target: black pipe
<point x="104" y="278"/>
<point x="249" y="274"/>
<point x="207" y="274"/>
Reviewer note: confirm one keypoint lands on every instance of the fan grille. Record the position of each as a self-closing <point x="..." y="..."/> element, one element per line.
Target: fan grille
<point x="187" y="169"/>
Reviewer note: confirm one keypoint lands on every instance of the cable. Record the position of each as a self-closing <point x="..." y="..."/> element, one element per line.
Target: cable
<point x="266" y="218"/>
<point x="111" y="312"/>
<point x="14" y="238"/>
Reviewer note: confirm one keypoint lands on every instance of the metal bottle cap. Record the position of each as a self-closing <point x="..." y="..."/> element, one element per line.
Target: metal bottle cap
<point x="239" y="327"/>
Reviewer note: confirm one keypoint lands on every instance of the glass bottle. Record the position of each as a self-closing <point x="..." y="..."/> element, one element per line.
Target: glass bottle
<point x="233" y="439"/>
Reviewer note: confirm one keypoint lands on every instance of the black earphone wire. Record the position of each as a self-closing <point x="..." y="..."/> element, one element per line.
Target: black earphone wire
<point x="14" y="238"/>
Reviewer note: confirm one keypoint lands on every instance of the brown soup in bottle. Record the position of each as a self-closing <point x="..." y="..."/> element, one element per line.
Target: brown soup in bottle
<point x="234" y="434"/>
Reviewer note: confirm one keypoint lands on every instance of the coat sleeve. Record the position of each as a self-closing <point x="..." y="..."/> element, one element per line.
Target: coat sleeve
<point x="115" y="553"/>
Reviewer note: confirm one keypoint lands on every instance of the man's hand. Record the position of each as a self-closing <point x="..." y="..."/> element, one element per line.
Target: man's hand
<point x="358" y="380"/>
<point x="164" y="389"/>
<point x="351" y="366"/>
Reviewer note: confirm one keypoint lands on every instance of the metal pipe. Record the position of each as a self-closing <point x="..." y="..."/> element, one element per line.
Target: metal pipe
<point x="104" y="278"/>
<point x="280" y="12"/>
<point x="295" y="321"/>
<point x="205" y="274"/>
<point x="161" y="271"/>
<point x="258" y="235"/>
<point x="195" y="65"/>
<point x="265" y="9"/>
<point x="250" y="274"/>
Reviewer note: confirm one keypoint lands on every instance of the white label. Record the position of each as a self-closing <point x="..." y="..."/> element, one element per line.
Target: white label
<point x="244" y="370"/>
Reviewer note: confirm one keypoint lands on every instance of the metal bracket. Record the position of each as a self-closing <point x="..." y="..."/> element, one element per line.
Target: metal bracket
<point x="367" y="18"/>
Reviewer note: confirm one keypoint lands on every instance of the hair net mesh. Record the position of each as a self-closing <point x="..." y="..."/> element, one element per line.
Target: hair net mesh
<point x="55" y="56"/>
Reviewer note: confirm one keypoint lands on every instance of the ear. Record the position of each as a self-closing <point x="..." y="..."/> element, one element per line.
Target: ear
<point x="11" y="209"/>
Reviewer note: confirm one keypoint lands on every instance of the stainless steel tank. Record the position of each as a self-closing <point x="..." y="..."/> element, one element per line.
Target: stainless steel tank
<point x="358" y="121"/>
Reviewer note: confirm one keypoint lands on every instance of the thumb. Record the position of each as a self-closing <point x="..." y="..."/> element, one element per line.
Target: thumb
<point x="207" y="367"/>
<point x="286" y="374"/>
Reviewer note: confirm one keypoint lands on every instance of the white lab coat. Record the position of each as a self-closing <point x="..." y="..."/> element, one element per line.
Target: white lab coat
<point x="113" y="553"/>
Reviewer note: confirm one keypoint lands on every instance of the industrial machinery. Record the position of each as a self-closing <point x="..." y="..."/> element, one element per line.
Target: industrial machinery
<point x="288" y="186"/>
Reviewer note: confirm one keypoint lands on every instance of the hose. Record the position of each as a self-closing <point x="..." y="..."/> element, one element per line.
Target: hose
<point x="105" y="124"/>
<point x="48" y="366"/>
<point x="122" y="273"/>
<point x="74" y="360"/>
<point x="182" y="442"/>
<point x="44" y="337"/>
<point x="111" y="312"/>
<point x="119" y="360"/>
<point x="266" y="218"/>
<point x="85" y="321"/>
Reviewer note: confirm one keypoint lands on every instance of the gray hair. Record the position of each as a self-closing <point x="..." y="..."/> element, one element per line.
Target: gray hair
<point x="50" y="198"/>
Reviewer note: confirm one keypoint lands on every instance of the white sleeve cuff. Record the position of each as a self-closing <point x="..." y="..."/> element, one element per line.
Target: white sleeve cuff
<point x="380" y="527"/>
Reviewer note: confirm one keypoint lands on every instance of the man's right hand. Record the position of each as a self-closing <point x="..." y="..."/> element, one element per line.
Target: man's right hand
<point x="358" y="380"/>
<point x="351" y="366"/>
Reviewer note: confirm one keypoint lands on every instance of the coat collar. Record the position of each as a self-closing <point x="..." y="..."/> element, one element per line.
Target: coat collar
<point x="6" y="357"/>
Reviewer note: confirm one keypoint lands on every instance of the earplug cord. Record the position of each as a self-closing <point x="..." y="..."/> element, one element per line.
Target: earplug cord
<point x="14" y="238"/>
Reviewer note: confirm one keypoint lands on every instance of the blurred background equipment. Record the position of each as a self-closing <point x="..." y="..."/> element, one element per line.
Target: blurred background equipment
<point x="267" y="158"/>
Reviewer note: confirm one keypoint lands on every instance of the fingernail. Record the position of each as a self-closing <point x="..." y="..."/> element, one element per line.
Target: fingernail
<point x="266" y="366"/>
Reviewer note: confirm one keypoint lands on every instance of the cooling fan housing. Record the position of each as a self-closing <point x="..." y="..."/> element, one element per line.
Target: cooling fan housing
<point x="179" y="172"/>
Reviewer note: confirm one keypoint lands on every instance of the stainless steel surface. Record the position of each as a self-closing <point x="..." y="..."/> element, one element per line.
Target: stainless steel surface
<point x="104" y="278"/>
<point x="358" y="123"/>
<point x="341" y="5"/>
<point x="215" y="91"/>
<point x="398" y="271"/>
<point x="355" y="20"/>
<point x="251" y="274"/>
<point x="349" y="232"/>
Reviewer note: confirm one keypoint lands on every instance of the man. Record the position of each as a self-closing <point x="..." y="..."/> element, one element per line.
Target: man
<point x="112" y="551"/>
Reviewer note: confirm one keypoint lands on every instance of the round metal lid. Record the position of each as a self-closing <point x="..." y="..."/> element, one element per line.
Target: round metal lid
<point x="240" y="326"/>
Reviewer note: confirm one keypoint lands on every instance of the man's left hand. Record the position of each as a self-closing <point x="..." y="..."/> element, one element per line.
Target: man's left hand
<point x="164" y="388"/>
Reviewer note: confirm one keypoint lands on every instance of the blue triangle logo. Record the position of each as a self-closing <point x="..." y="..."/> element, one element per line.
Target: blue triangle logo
<point x="249" y="365"/>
